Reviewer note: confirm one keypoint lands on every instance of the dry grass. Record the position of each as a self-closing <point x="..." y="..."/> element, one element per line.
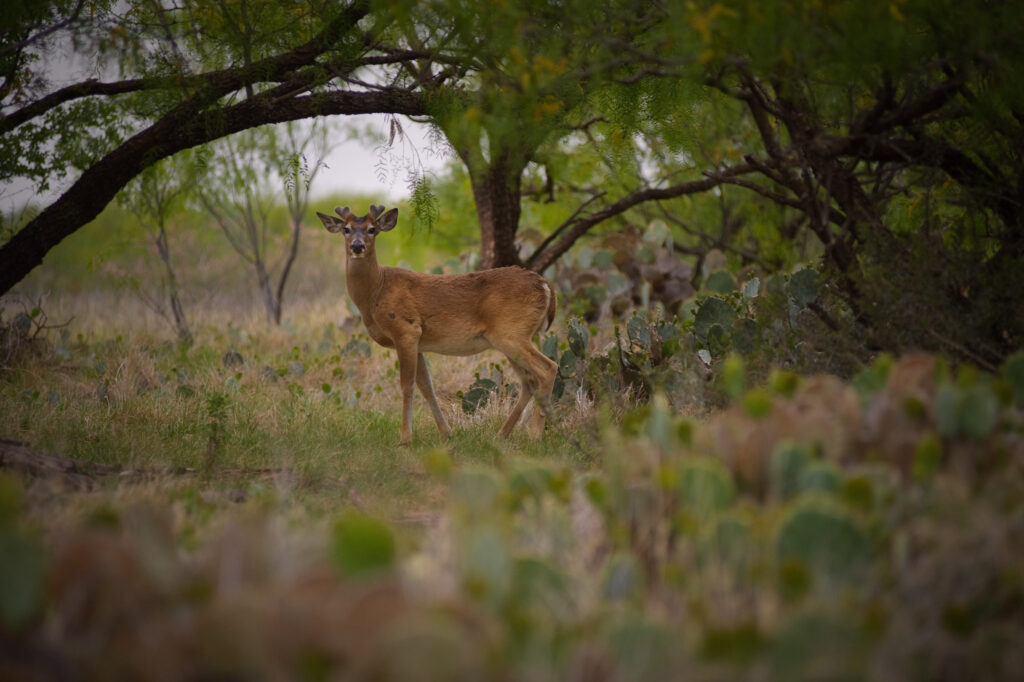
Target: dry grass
<point x="118" y="390"/>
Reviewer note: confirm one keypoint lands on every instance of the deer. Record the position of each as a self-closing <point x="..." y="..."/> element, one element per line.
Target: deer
<point x="452" y="314"/>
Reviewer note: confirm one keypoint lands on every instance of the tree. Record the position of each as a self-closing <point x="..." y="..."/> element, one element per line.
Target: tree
<point x="158" y="193"/>
<point x="896" y="132"/>
<point x="891" y="133"/>
<point x="238" y="192"/>
<point x="195" y="72"/>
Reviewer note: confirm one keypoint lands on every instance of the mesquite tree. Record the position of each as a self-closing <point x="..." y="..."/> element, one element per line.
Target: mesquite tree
<point x="890" y="134"/>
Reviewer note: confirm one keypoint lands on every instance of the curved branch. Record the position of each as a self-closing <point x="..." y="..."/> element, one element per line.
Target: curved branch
<point x="541" y="259"/>
<point x="176" y="131"/>
<point x="207" y="87"/>
<point x="88" y="88"/>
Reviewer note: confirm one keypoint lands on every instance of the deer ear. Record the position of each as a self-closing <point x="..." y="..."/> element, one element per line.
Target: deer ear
<point x="387" y="221"/>
<point x="330" y="222"/>
<point x="343" y="211"/>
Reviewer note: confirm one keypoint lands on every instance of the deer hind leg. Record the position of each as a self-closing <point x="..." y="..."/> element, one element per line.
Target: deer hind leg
<point x="544" y="369"/>
<point x="426" y="387"/>
<point x="537" y="374"/>
<point x="525" y="393"/>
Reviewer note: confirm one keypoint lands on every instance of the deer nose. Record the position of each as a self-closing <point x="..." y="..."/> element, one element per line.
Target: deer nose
<point x="358" y="248"/>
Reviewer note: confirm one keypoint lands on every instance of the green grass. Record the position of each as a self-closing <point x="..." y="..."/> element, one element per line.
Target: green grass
<point x="139" y="402"/>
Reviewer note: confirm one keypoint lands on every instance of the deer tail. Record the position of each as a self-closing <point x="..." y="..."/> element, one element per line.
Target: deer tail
<point x="552" y="303"/>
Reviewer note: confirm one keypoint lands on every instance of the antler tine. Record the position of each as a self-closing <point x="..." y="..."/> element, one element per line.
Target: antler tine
<point x="376" y="211"/>
<point x="343" y="211"/>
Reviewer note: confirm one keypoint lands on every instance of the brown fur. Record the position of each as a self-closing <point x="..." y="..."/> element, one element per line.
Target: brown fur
<point x="460" y="314"/>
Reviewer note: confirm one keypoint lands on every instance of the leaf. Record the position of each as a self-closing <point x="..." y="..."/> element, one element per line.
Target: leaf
<point x="361" y="545"/>
<point x="549" y="346"/>
<point x="22" y="572"/>
<point x="623" y="578"/>
<point x="978" y="412"/>
<point x="658" y="233"/>
<point x="712" y="311"/>
<point x="720" y="282"/>
<point x="705" y="485"/>
<point x="603" y="259"/>
<point x="823" y="535"/>
<point x="744" y="334"/>
<point x="803" y="287"/>
<point x="478" y="395"/>
<point x="639" y="332"/>
<point x="757" y="403"/>
<point x="584" y="257"/>
<point x="578" y="337"/>
<point x="734" y="376"/>
<point x="1013" y="371"/>
<point x="484" y="565"/>
<point x="786" y="467"/>
<point x="752" y="288"/>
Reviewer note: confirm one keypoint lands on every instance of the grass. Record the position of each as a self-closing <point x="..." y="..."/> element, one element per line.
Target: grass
<point x="123" y="393"/>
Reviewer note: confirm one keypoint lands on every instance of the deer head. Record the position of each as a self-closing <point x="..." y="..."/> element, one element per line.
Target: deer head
<point x="360" y="232"/>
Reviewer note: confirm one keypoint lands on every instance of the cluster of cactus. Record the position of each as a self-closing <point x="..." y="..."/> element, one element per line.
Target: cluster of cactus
<point x="725" y="315"/>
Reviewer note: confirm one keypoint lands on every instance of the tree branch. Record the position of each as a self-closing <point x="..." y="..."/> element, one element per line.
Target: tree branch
<point x="541" y="259"/>
<point x="206" y="87"/>
<point x="178" y="130"/>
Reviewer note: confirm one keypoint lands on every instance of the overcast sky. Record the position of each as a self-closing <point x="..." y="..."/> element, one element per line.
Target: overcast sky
<point x="351" y="166"/>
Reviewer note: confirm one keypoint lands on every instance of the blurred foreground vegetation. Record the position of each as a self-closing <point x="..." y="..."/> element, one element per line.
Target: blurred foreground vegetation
<point x="706" y="503"/>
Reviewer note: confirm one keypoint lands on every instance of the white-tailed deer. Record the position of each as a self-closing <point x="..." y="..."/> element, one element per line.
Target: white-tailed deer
<point x="465" y="314"/>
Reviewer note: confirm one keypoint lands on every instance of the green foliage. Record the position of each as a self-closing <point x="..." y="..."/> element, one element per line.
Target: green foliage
<point x="22" y="571"/>
<point x="1013" y="373"/>
<point x="825" y="537"/>
<point x="705" y="486"/>
<point x="361" y="545"/>
<point x="969" y="410"/>
<point x="787" y="467"/>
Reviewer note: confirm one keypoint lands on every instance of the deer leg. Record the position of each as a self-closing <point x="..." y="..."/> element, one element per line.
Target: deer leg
<point x="537" y="374"/>
<point x="407" y="362"/>
<point x="426" y="387"/>
<point x="525" y="393"/>
<point x="545" y="370"/>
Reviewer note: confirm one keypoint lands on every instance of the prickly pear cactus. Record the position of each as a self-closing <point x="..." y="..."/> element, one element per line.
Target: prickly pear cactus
<point x="823" y="535"/>
<point x="705" y="485"/>
<point x="786" y="465"/>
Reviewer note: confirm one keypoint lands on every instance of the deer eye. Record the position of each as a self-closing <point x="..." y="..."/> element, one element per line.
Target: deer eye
<point x="346" y="230"/>
<point x="371" y="231"/>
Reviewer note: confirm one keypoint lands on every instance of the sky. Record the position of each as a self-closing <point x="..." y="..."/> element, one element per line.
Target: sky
<point x="351" y="167"/>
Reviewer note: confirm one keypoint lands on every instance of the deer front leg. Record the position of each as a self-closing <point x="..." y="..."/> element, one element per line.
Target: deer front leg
<point x="426" y="387"/>
<point x="407" y="363"/>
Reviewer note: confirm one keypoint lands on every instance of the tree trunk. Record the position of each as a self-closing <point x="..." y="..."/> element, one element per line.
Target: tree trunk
<point x="497" y="193"/>
<point x="270" y="303"/>
<point x="177" y="310"/>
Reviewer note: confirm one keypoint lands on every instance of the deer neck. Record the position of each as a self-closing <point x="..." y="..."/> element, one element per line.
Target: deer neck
<point x="363" y="278"/>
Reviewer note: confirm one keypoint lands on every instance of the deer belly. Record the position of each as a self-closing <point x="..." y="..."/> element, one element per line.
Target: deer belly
<point x="459" y="346"/>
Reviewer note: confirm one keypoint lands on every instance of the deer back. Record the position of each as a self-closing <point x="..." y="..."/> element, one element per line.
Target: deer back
<point x="463" y="314"/>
